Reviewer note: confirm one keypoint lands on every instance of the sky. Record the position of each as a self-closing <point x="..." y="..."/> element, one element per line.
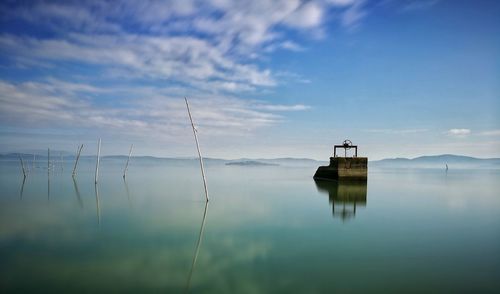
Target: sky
<point x="265" y="79"/>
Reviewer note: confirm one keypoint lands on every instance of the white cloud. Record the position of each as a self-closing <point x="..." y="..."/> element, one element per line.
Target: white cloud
<point x="287" y="45"/>
<point x="458" y="132"/>
<point x="308" y="15"/>
<point x="490" y="133"/>
<point x="353" y="15"/>
<point x="194" y="42"/>
<point x="149" y="54"/>
<point x="409" y="5"/>
<point x="55" y="103"/>
<point x="270" y="107"/>
<point x="183" y="59"/>
<point x="290" y="77"/>
<point x="412" y="5"/>
<point x="396" y="131"/>
<point x="291" y="46"/>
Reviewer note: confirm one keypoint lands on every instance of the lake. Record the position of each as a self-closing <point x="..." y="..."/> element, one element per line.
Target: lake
<point x="266" y="229"/>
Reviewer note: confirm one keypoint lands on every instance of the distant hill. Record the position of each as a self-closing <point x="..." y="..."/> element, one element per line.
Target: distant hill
<point x="432" y="161"/>
<point x="250" y="163"/>
<point x="296" y="162"/>
<point x="438" y="161"/>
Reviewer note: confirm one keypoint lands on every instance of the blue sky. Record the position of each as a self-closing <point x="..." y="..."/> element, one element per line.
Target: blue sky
<point x="284" y="78"/>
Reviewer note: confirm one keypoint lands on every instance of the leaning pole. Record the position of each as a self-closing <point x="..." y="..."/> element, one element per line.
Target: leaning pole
<point x="199" y="152"/>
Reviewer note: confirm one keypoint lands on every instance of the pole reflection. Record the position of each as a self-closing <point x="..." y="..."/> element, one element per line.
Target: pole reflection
<point x="127" y="192"/>
<point x="48" y="184"/>
<point x="77" y="192"/>
<point x="198" y="245"/>
<point x="22" y="189"/>
<point x="97" y="204"/>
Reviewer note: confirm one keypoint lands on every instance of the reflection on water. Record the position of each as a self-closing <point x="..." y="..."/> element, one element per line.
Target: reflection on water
<point x="77" y="192"/>
<point x="96" y="188"/>
<point x="48" y="184"/>
<point x="344" y="195"/>
<point x="127" y="191"/>
<point x="198" y="244"/>
<point x="266" y="233"/>
<point x="22" y="188"/>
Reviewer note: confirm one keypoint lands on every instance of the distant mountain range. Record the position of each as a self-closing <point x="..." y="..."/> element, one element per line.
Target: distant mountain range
<point x="250" y="163"/>
<point x="433" y="161"/>
<point x="439" y="161"/>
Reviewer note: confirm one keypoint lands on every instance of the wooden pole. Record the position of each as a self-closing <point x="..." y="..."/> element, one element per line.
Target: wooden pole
<point x="48" y="159"/>
<point x="22" y="165"/>
<point x="77" y="157"/>
<point x="199" y="152"/>
<point x="62" y="161"/>
<point x="128" y="159"/>
<point x="97" y="163"/>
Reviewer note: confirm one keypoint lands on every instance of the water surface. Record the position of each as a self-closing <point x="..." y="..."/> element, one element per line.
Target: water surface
<point x="266" y="229"/>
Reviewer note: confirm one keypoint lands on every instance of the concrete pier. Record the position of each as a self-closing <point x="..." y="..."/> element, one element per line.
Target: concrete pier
<point x="343" y="168"/>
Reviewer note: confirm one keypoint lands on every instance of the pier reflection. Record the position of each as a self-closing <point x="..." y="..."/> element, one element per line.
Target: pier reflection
<point x="344" y="195"/>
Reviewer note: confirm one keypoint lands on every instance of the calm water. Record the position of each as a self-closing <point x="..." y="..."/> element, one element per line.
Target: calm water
<point x="266" y="230"/>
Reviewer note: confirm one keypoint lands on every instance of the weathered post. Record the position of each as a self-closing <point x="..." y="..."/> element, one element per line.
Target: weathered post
<point x="199" y="152"/>
<point x="128" y="159"/>
<point x="77" y="157"/>
<point x="22" y="165"/>
<point x="97" y="163"/>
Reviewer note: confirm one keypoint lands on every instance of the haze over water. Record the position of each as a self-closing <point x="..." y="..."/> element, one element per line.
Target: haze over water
<point x="267" y="229"/>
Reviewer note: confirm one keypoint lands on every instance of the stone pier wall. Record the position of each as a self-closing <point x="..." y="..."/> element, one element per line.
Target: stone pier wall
<point x="344" y="167"/>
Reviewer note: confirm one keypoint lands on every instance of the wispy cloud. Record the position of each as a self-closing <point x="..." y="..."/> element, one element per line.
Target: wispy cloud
<point x="205" y="44"/>
<point x="396" y="131"/>
<point x="490" y="133"/>
<point x="124" y="66"/>
<point x="55" y="103"/>
<point x="459" y="132"/>
<point x="269" y="107"/>
<point x="353" y="15"/>
<point x="182" y="59"/>
<point x="410" y="5"/>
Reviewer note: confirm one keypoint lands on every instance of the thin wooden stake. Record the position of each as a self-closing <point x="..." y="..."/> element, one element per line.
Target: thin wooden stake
<point x="97" y="164"/>
<point x="128" y="159"/>
<point x="22" y="165"/>
<point x="48" y="159"/>
<point x="62" y="161"/>
<point x="77" y="157"/>
<point x="199" y="152"/>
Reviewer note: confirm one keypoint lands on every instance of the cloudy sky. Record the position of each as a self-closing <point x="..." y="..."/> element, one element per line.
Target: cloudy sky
<point x="284" y="78"/>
